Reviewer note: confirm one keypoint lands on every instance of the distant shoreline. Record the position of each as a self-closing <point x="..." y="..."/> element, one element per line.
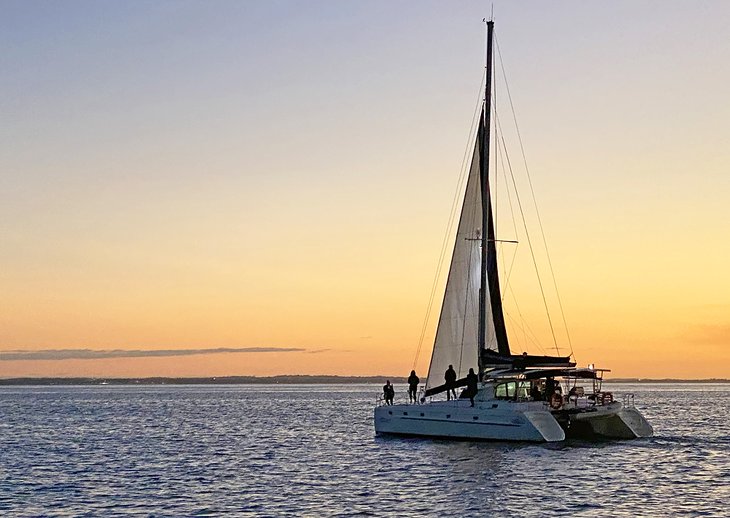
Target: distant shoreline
<point x="269" y="380"/>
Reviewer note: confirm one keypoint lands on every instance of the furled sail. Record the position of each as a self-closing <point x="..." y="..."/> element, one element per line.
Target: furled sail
<point x="457" y="341"/>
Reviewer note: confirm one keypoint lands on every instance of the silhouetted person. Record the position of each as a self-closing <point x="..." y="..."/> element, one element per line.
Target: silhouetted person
<point x="520" y="363"/>
<point x="573" y="394"/>
<point x="450" y="377"/>
<point x="549" y="388"/>
<point x="472" y="382"/>
<point x="535" y="392"/>
<point x="413" y="387"/>
<point x="388" y="393"/>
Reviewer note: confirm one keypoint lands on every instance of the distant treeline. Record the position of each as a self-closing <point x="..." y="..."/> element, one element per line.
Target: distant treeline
<point x="268" y="380"/>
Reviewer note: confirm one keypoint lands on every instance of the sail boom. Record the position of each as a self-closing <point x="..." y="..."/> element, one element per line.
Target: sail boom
<point x="443" y="388"/>
<point x="494" y="359"/>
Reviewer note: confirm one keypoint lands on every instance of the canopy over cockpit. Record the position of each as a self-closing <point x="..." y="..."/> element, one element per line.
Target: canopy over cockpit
<point x="533" y="374"/>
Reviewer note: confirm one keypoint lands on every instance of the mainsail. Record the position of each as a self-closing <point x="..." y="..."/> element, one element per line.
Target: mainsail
<point x="457" y="340"/>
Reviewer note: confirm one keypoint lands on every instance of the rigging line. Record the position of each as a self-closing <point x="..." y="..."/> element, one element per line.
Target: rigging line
<point x="534" y="199"/>
<point x="509" y="197"/>
<point x="497" y="156"/>
<point x="529" y="338"/>
<point x="514" y="224"/>
<point x="509" y="272"/>
<point x="532" y="337"/>
<point x="516" y="336"/>
<point x="450" y="223"/>
<point x="524" y="346"/>
<point x="497" y="134"/>
<point x="507" y="284"/>
<point x="495" y="172"/>
<point x="529" y="241"/>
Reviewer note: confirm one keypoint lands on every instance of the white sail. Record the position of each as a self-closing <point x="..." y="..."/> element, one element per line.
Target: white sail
<point x="456" y="340"/>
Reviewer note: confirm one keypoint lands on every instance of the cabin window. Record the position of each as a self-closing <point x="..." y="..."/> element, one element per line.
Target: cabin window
<point x="500" y="390"/>
<point x="505" y="390"/>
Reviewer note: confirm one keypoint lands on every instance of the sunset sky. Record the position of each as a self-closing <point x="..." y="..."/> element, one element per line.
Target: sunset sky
<point x="276" y="178"/>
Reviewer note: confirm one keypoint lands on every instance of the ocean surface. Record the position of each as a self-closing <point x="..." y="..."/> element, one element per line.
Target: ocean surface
<point x="273" y="450"/>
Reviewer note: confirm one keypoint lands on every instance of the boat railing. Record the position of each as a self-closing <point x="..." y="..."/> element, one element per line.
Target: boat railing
<point x="458" y="402"/>
<point x="628" y="400"/>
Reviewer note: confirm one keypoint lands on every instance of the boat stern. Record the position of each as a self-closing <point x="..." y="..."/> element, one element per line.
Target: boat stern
<point x="613" y="421"/>
<point x="546" y="425"/>
<point x="636" y="422"/>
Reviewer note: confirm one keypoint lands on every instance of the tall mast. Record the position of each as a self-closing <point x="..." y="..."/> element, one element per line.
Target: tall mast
<point x="489" y="274"/>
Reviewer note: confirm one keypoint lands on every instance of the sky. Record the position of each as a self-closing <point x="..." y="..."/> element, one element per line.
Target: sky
<point x="268" y="184"/>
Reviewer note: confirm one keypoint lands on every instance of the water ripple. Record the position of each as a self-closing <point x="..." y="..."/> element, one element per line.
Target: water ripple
<point x="310" y="450"/>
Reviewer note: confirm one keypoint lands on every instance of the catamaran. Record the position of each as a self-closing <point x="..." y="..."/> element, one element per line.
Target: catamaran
<point x="518" y="397"/>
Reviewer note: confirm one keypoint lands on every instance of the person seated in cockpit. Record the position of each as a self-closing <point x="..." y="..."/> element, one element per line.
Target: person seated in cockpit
<point x="549" y="388"/>
<point x="535" y="392"/>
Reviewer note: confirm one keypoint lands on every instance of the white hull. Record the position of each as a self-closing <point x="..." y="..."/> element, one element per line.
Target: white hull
<point x="500" y="420"/>
<point x="490" y="420"/>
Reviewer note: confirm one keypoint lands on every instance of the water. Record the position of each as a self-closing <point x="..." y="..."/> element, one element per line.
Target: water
<point x="310" y="450"/>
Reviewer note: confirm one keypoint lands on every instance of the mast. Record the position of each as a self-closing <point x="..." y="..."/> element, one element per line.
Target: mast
<point x="489" y="274"/>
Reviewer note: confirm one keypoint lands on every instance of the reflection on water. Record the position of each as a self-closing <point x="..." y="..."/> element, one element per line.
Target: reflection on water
<point x="272" y="450"/>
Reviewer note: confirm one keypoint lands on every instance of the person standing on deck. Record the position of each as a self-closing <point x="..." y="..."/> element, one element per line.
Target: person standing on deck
<point x="413" y="387"/>
<point x="388" y="393"/>
<point x="472" y="382"/>
<point x="450" y="377"/>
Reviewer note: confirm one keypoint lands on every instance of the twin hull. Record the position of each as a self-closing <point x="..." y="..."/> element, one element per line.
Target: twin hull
<point x="507" y="421"/>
